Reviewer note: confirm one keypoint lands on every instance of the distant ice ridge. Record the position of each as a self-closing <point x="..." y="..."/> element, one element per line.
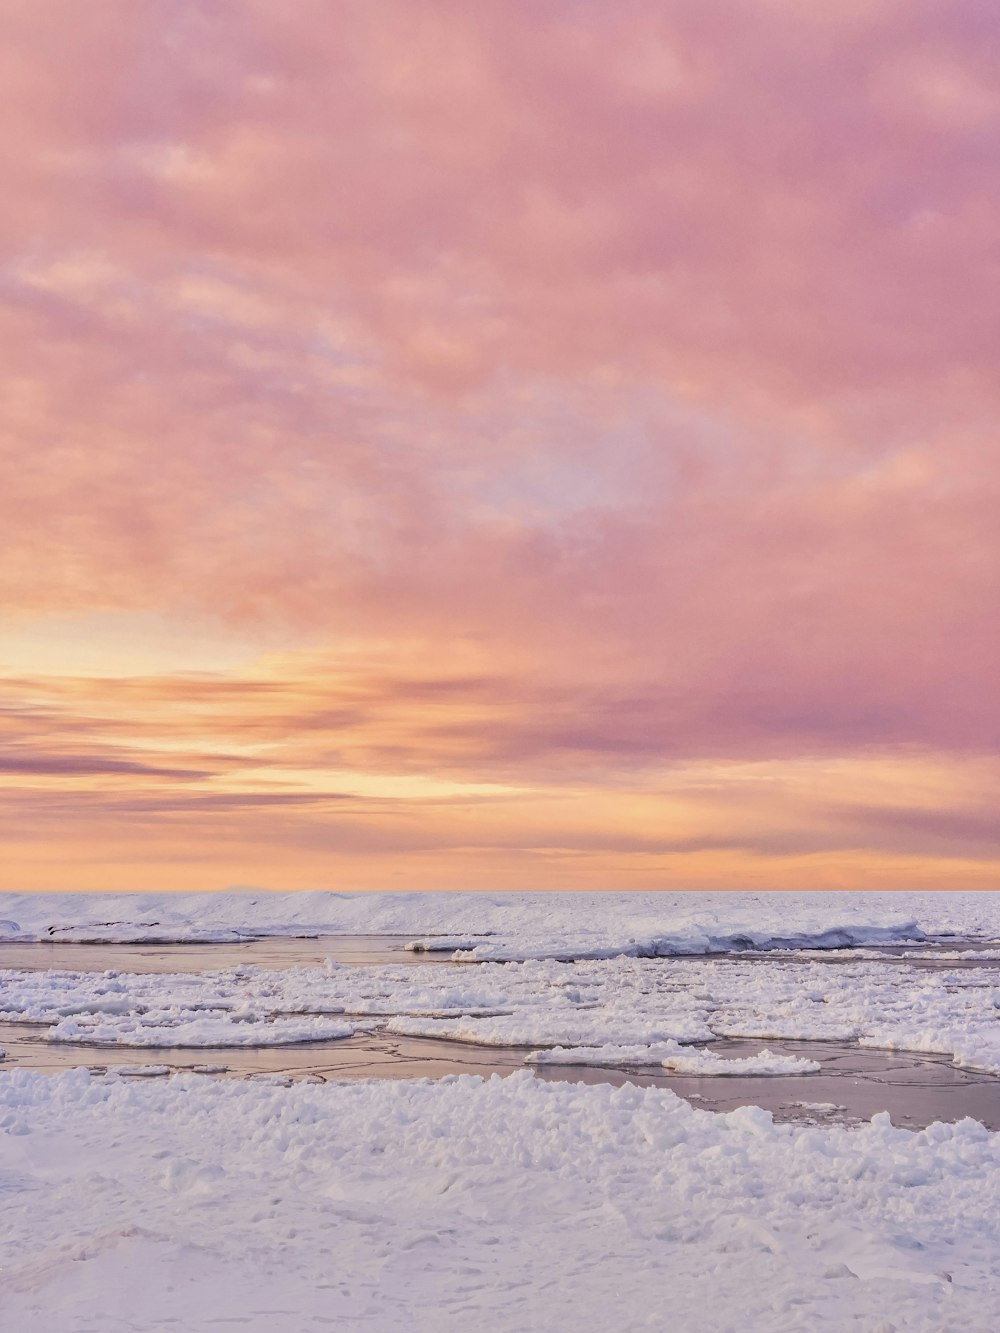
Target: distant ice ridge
<point x="693" y="941"/>
<point x="496" y="1204"/>
<point x="512" y="925"/>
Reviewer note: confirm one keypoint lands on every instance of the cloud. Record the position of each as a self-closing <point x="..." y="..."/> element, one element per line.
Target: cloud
<point x="36" y="764"/>
<point x="963" y="830"/>
<point x="566" y="388"/>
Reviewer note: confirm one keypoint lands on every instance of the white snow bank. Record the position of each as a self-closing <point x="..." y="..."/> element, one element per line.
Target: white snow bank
<point x="446" y="943"/>
<point x="591" y="944"/>
<point x="671" y="1056"/>
<point x="501" y="1204"/>
<point x="516" y="924"/>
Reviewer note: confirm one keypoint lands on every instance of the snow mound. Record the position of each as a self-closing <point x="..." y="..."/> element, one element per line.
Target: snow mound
<point x="431" y="1206"/>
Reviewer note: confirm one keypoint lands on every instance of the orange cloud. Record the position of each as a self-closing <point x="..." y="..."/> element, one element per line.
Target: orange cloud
<point x="572" y="391"/>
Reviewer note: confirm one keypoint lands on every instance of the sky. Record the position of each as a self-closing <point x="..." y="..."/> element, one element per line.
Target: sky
<point x="499" y="444"/>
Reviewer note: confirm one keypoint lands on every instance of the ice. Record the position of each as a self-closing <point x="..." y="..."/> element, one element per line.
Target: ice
<point x="178" y="1030"/>
<point x="671" y="1056"/>
<point x="445" y="944"/>
<point x="598" y="1003"/>
<point x="541" y="1028"/>
<point x="592" y="944"/>
<point x="512" y="924"/>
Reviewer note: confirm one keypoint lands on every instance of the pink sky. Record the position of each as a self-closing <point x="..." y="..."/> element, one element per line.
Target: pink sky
<point x="500" y="444"/>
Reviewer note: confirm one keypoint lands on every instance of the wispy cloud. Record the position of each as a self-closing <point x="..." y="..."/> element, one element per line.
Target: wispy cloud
<point x="543" y="397"/>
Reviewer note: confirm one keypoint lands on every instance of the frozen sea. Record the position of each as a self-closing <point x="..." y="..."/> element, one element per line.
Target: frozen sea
<point x="543" y="1111"/>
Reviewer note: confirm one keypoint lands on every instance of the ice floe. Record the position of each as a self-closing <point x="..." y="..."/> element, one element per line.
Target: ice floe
<point x="673" y="1057"/>
<point x="537" y="1004"/>
<point x="172" y="1029"/>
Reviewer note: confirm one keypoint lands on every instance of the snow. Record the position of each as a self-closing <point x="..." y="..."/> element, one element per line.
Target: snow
<point x="173" y="1030"/>
<point x="695" y="939"/>
<point x="143" y="1200"/>
<point x="511" y="924"/>
<point x="670" y="1055"/>
<point x="501" y="1204"/>
<point x="539" y="1027"/>
<point x="614" y="1002"/>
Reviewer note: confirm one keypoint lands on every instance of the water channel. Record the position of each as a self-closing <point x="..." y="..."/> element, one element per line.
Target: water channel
<point x="851" y="1085"/>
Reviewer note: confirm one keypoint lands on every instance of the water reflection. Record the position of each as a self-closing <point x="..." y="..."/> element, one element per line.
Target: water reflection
<point x="280" y="951"/>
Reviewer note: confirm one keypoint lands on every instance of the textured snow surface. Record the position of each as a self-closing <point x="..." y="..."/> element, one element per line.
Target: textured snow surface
<point x="502" y="1205"/>
<point x="172" y="1028"/>
<point x="600" y="1003"/>
<point x="517" y="924"/>
<point x="142" y="1201"/>
<point x="670" y="1055"/>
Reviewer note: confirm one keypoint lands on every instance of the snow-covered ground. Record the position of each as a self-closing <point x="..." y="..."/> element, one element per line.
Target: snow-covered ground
<point x="506" y="1205"/>
<point x="143" y="1203"/>
<point x="521" y="924"/>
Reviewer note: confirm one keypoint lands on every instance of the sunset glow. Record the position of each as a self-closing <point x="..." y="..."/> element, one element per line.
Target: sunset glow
<point x="480" y="444"/>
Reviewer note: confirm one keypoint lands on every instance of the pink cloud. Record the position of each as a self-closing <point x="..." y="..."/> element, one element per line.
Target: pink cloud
<point x="642" y="353"/>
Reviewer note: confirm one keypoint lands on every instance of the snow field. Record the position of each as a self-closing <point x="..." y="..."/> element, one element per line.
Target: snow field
<point x="510" y="924"/>
<point x="518" y="1204"/>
